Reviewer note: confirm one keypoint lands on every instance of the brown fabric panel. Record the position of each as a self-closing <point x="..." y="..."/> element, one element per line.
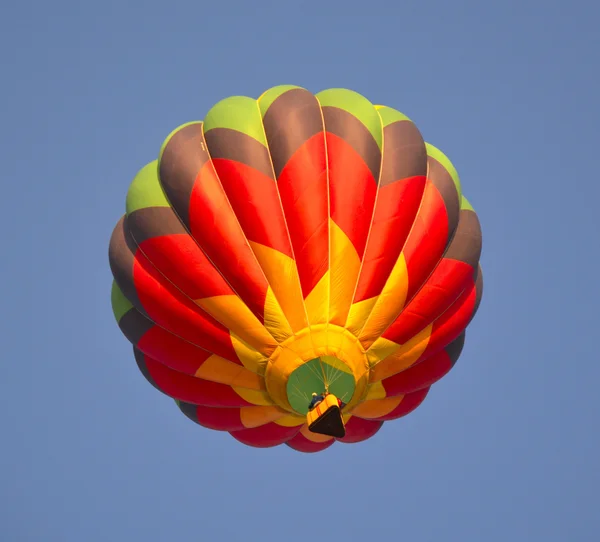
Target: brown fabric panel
<point x="152" y="222"/>
<point x="404" y="152"/>
<point x="454" y="349"/>
<point x="135" y="325"/>
<point x="291" y="120"/>
<point x="442" y="180"/>
<point x="239" y="147"/>
<point x="189" y="410"/>
<point x="180" y="163"/>
<point x="467" y="241"/>
<point x="355" y="133"/>
<point x="140" y="359"/>
<point x="121" y="252"/>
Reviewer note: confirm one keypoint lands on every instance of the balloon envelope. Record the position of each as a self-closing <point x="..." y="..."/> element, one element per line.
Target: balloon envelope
<point x="290" y="244"/>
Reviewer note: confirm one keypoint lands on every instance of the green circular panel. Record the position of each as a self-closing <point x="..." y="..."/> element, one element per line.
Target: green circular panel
<point x="311" y="377"/>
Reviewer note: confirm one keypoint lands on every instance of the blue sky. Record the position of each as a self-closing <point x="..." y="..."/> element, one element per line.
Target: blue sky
<point x="505" y="447"/>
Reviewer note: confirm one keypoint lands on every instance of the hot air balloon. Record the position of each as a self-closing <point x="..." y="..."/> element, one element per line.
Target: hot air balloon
<point x="292" y="245"/>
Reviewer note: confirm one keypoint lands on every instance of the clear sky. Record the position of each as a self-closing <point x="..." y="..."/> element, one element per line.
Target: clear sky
<point x="506" y="447"/>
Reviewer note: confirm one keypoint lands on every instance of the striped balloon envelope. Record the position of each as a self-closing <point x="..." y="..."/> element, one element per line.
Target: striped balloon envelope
<point x="293" y="243"/>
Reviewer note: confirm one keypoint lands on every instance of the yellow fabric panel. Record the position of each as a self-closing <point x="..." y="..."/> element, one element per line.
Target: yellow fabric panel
<point x="259" y="415"/>
<point x="314" y="437"/>
<point x="290" y="420"/>
<point x="337" y="364"/>
<point x="319" y="340"/>
<point x="301" y="345"/>
<point x="344" y="266"/>
<point x="389" y="304"/>
<point x="375" y="391"/>
<point x="359" y="312"/>
<point x="251" y="359"/>
<point x="382" y="348"/>
<point x="233" y="313"/>
<point x="377" y="407"/>
<point x="317" y="302"/>
<point x="327" y="339"/>
<point x="258" y="398"/>
<point x="217" y="369"/>
<point x="275" y="321"/>
<point x="282" y="275"/>
<point x="403" y="357"/>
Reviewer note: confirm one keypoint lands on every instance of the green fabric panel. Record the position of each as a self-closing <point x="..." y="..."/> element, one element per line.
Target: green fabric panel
<point x="438" y="155"/>
<point x="465" y="205"/>
<point x="238" y="113"/>
<point x="269" y="96"/>
<point x="308" y="378"/>
<point x="120" y="304"/>
<point x="146" y="190"/>
<point x="357" y="105"/>
<point x="389" y="115"/>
